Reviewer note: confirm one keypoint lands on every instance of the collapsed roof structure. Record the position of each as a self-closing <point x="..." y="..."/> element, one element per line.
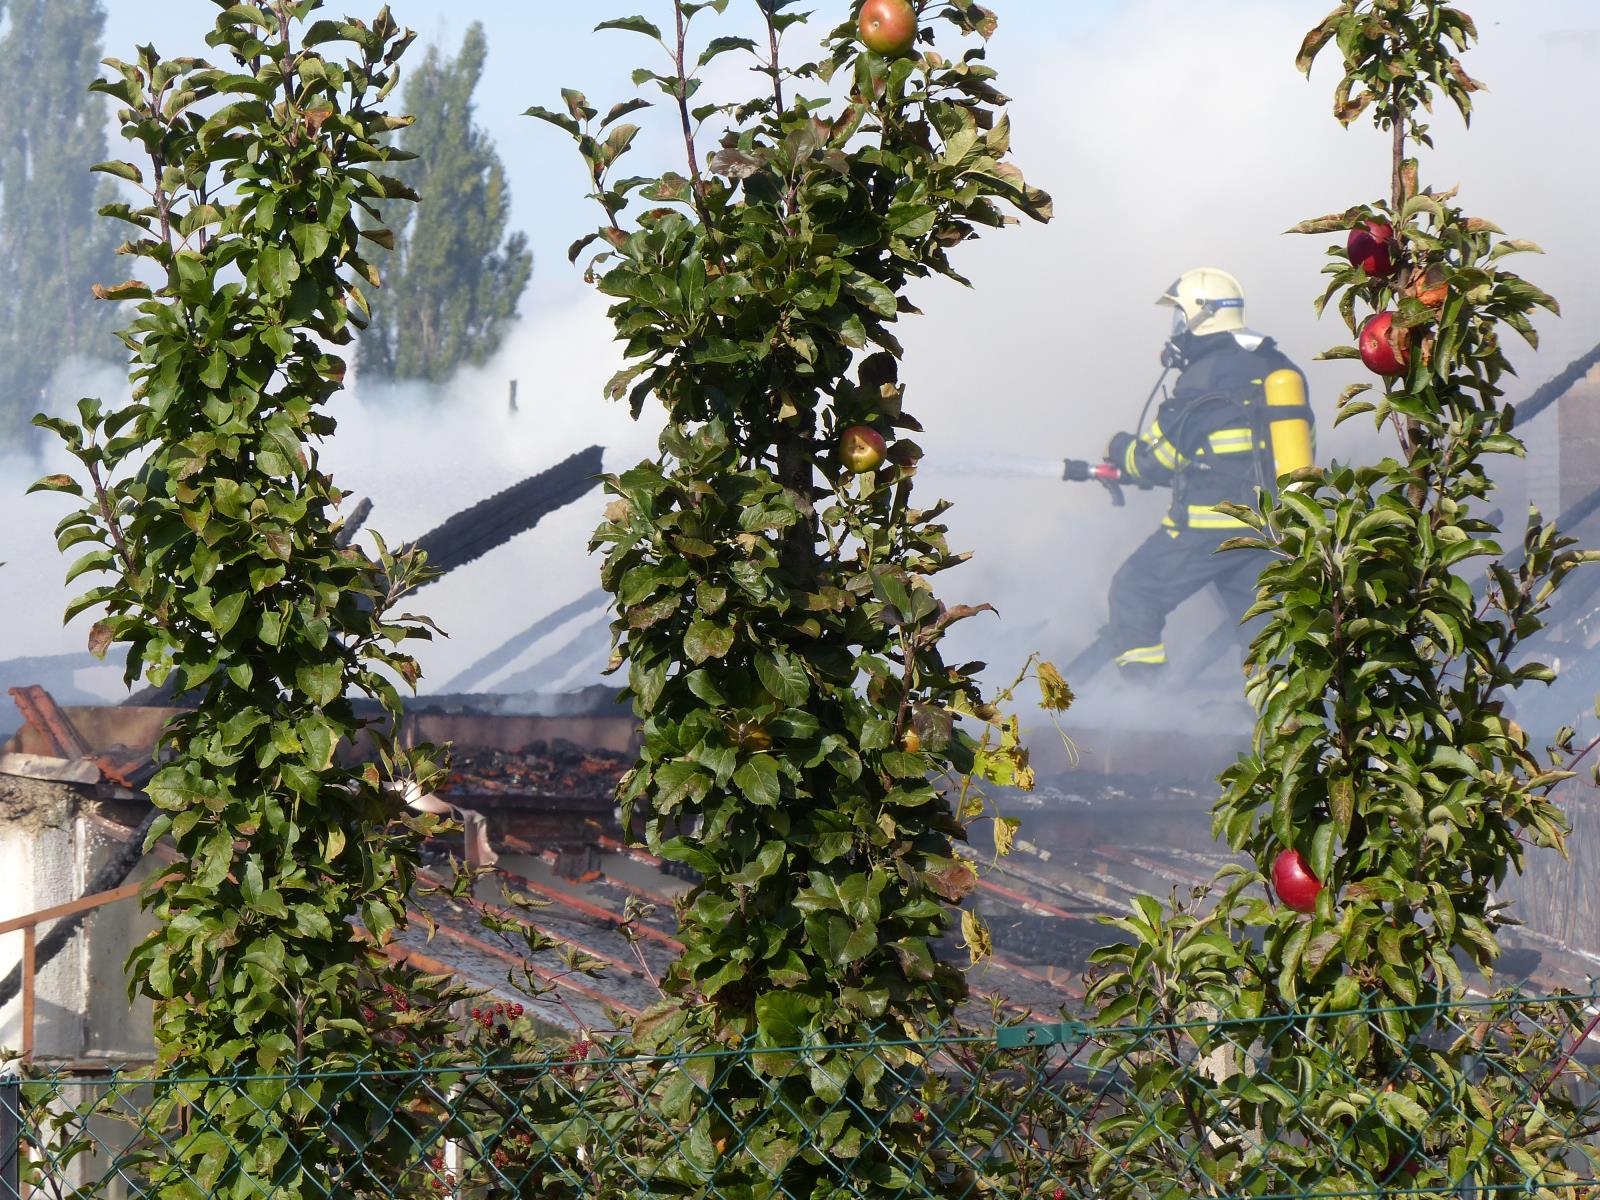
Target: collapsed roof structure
<point x="540" y="789"/>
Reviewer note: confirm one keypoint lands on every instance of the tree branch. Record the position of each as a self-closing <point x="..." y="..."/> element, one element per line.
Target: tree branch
<point x="678" y="61"/>
<point x="772" y="44"/>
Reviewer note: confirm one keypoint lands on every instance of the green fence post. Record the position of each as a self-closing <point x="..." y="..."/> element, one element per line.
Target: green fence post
<point x="11" y="1139"/>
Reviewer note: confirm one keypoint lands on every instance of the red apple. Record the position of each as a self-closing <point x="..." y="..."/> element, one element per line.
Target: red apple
<point x="1293" y="881"/>
<point x="1412" y="1167"/>
<point x="888" y="27"/>
<point x="1372" y="248"/>
<point x="1384" y="349"/>
<point x="861" y="448"/>
<point x="753" y="738"/>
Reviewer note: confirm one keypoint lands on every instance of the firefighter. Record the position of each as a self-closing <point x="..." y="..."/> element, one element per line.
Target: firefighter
<point x="1236" y="420"/>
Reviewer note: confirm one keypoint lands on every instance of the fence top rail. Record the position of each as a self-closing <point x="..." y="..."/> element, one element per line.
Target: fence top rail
<point x="1015" y="1036"/>
<point x="1589" y="1001"/>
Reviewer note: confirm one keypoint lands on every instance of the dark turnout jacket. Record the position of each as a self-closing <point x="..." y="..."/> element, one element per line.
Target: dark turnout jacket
<point x="1210" y="441"/>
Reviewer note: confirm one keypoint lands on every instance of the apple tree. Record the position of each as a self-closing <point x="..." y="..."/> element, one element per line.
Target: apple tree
<point x="214" y="530"/>
<point x="774" y="604"/>
<point x="1388" y="792"/>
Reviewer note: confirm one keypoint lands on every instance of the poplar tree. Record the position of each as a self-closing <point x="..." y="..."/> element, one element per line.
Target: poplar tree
<point x="51" y="246"/>
<point x="454" y="275"/>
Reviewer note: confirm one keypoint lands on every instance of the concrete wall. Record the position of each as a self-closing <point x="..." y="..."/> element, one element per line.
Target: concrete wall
<point x="40" y="866"/>
<point x="50" y="844"/>
<point x="116" y="1027"/>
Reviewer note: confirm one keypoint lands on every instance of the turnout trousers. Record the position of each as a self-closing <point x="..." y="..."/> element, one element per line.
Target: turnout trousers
<point x="1164" y="572"/>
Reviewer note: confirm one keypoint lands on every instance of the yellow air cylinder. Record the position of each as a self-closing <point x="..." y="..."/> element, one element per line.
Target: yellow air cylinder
<point x="1291" y="435"/>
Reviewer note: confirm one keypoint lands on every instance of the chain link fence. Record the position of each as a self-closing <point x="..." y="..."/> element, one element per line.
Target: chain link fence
<point x="1498" y="1096"/>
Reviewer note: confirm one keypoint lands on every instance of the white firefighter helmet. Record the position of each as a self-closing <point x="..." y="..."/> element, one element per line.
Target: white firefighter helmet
<point x="1204" y="301"/>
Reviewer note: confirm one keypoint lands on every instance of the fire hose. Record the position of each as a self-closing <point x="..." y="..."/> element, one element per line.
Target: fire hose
<point x="1108" y="475"/>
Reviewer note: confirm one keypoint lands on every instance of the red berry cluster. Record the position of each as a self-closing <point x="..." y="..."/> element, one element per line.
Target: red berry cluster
<point x="399" y="1002"/>
<point x="576" y="1053"/>
<point x="497" y="1019"/>
<point x="397" y="998"/>
<point x="442" y="1180"/>
<point x="516" y="1150"/>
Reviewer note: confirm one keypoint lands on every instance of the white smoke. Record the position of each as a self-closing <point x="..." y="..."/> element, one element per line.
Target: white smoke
<point x="1178" y="136"/>
<point x="422" y="454"/>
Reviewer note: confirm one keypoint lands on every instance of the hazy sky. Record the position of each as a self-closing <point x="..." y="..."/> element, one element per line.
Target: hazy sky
<point x="1173" y="134"/>
<point x="536" y="48"/>
<point x="539" y="46"/>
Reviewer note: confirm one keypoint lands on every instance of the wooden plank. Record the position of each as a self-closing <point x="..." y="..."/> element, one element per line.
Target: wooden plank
<point x="81" y="904"/>
<point x="50" y="770"/>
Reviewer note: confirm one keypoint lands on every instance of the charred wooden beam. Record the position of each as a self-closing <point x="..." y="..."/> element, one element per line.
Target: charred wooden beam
<point x="1545" y="396"/>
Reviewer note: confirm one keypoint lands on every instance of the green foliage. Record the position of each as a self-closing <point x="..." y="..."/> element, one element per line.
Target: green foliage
<point x="1383" y="749"/>
<point x="1397" y="55"/>
<point x="453" y="279"/>
<point x="214" y="529"/>
<point x="775" y="614"/>
<point x="50" y="244"/>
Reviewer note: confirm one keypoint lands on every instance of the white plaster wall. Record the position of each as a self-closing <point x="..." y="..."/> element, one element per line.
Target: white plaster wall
<point x="42" y="864"/>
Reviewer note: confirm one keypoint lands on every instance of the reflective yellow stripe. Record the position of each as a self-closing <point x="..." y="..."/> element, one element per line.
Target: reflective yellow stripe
<point x="1148" y="655"/>
<point x="1232" y="441"/>
<point x="1203" y="516"/>
<point x="1163" y="451"/>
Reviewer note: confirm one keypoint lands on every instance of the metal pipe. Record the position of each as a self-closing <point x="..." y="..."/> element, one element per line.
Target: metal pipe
<point x="27" y="992"/>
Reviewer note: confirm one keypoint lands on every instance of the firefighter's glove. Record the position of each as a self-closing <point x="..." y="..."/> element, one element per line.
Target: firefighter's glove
<point x="1117" y="451"/>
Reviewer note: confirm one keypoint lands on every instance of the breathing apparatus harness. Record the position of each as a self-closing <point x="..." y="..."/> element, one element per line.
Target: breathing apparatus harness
<point x="1279" y="421"/>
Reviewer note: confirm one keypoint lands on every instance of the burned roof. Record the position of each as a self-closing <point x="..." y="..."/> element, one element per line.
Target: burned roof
<point x="605" y="913"/>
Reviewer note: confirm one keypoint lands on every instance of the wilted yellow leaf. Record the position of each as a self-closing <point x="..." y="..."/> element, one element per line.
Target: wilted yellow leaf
<point x="975" y="935"/>
<point x="1005" y="835"/>
<point x="1054" y="692"/>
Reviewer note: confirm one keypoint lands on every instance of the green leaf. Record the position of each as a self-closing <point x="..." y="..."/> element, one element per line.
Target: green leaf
<point x="321" y="682"/>
<point x="763" y="866"/>
<point x="782" y="1018"/>
<point x="784" y="677"/>
<point x="562" y="120"/>
<point x="122" y="170"/>
<point x="723" y="45"/>
<point x="99" y="559"/>
<point x="678" y="783"/>
<point x="632" y="25"/>
<point x="707" y="640"/>
<point x="757" y="779"/>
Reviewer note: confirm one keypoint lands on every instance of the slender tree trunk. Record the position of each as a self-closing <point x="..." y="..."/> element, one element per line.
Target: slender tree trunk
<point x="798" y="475"/>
